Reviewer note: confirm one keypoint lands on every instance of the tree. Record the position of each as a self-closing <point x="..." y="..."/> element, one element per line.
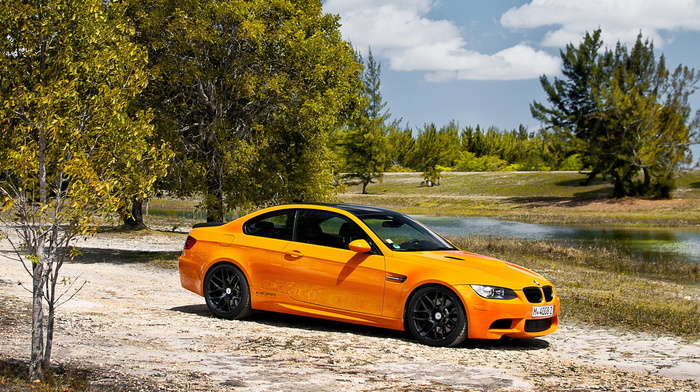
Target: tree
<point x="69" y="142"/>
<point x="624" y="112"/>
<point x="434" y="149"/>
<point x="247" y="94"/>
<point x="364" y="143"/>
<point x="645" y="117"/>
<point x="400" y="146"/>
<point x="572" y="101"/>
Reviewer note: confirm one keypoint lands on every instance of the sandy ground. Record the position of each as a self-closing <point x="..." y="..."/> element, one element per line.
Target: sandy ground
<point x="138" y="329"/>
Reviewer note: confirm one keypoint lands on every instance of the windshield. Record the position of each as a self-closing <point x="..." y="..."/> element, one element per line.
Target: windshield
<point x="402" y="233"/>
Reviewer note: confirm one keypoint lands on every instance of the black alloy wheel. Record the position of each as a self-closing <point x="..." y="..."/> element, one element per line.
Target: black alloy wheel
<point x="226" y="292"/>
<point x="436" y="317"/>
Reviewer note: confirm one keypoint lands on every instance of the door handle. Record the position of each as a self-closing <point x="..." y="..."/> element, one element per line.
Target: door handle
<point x="294" y="253"/>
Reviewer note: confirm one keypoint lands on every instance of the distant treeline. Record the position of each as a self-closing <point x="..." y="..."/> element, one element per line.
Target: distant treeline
<point x="479" y="150"/>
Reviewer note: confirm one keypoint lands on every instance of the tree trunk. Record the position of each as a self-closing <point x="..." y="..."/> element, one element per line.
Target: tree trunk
<point x="215" y="207"/>
<point x="647" y="180"/>
<point x="134" y="220"/>
<point x="214" y="197"/>
<point x="591" y="176"/>
<point x="50" y="322"/>
<point x="37" y="363"/>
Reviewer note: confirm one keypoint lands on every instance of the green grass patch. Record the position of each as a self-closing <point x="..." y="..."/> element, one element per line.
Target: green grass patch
<point x="13" y="377"/>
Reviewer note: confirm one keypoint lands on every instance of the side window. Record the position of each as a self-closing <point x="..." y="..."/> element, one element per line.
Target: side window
<point x="327" y="229"/>
<point x="276" y="224"/>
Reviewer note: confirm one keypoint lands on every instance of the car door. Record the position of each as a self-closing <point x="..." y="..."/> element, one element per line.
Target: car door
<point x="268" y="236"/>
<point x="320" y="269"/>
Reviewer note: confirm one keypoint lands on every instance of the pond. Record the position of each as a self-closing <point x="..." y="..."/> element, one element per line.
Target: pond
<point x="681" y="243"/>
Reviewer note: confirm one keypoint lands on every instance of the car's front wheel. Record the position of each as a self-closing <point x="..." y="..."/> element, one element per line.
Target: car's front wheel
<point x="226" y="292"/>
<point x="436" y="317"/>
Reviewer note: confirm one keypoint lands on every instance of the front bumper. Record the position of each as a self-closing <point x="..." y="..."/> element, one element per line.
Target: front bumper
<point x="494" y="318"/>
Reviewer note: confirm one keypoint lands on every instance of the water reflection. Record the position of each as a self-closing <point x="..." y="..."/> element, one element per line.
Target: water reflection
<point x="680" y="243"/>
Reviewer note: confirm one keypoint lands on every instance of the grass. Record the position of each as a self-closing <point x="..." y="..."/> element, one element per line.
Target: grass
<point x="13" y="377"/>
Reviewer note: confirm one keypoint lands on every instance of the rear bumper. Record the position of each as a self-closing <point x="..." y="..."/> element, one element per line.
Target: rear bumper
<point x="190" y="274"/>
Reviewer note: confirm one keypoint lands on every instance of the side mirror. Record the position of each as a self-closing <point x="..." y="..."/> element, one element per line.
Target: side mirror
<point x="360" y="246"/>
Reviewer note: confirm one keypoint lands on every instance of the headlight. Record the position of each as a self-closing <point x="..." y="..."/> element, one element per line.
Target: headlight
<point x="493" y="292"/>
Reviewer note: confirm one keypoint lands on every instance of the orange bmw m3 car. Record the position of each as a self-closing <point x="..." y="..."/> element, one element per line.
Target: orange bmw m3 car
<point x="363" y="265"/>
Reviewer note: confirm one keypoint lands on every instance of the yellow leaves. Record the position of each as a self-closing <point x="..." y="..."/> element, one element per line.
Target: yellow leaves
<point x="6" y="203"/>
<point x="90" y="145"/>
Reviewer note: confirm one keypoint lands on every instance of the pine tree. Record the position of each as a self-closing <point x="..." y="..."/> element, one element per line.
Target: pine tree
<point x="364" y="142"/>
<point x="625" y="114"/>
<point x="435" y="149"/>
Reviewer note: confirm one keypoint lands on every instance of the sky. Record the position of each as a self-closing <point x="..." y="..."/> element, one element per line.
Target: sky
<point x="478" y="62"/>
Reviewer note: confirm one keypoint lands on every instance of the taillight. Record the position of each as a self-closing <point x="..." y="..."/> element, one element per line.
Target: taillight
<point x="189" y="242"/>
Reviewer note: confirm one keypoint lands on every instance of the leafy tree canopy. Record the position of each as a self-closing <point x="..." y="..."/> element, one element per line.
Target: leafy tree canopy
<point x="624" y="112"/>
<point x="247" y="92"/>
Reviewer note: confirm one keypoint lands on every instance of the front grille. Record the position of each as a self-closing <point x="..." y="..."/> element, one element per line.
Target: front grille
<point x="548" y="293"/>
<point x="533" y="294"/>
<point x="538" y="325"/>
<point x="536" y="295"/>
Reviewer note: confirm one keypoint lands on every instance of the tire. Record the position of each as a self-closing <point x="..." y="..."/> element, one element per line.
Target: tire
<point x="435" y="316"/>
<point x="227" y="293"/>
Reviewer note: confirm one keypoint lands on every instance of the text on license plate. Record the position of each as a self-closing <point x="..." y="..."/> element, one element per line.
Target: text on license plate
<point x="543" y="311"/>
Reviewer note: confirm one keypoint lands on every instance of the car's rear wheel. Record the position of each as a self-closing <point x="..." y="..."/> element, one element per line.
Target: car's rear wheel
<point x="436" y="317"/>
<point x="226" y="292"/>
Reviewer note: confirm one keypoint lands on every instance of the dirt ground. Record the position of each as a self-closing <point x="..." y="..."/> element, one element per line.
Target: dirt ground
<point x="137" y="329"/>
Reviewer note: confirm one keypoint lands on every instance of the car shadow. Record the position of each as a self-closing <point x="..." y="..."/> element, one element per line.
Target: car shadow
<point x="507" y="344"/>
<point x="120" y="256"/>
<point x="320" y="325"/>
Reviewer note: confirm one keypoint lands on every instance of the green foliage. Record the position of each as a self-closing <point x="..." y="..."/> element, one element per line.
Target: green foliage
<point x="72" y="142"/>
<point x="400" y="144"/>
<point x="468" y="162"/>
<point x="623" y="111"/>
<point x="498" y="149"/>
<point x="571" y="163"/>
<point x="434" y="149"/>
<point x="247" y="94"/>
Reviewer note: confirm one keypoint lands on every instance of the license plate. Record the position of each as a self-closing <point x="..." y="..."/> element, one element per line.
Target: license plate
<point x="543" y="311"/>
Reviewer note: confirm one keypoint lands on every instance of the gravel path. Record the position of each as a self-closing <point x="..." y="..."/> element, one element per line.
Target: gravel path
<point x="136" y="327"/>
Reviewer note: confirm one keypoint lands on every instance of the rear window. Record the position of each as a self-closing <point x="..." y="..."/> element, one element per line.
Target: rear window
<point x="277" y="224"/>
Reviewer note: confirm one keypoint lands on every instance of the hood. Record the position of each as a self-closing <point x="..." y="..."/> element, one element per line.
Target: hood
<point x="459" y="267"/>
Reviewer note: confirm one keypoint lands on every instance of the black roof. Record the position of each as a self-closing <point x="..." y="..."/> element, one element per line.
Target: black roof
<point x="355" y="209"/>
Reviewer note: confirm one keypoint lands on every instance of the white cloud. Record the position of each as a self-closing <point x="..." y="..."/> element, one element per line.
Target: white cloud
<point x="619" y="20"/>
<point x="400" y="32"/>
<point x="516" y="63"/>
